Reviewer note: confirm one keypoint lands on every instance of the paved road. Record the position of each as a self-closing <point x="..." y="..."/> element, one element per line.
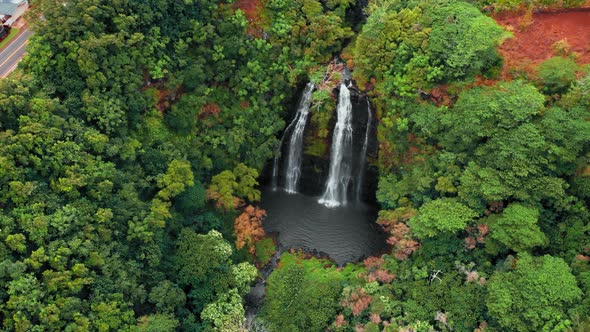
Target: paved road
<point x="13" y="53"/>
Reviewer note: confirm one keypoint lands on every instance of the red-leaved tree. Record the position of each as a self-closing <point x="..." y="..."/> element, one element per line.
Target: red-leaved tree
<point x="248" y="227"/>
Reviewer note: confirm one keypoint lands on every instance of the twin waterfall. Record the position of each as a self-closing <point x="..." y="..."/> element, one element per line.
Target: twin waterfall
<point x="341" y="155"/>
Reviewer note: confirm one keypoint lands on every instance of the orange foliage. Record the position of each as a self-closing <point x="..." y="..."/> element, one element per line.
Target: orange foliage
<point x="357" y="301"/>
<point x="477" y="235"/>
<point x="252" y="10"/>
<point x="373" y="262"/>
<point x="400" y="236"/>
<point x="375" y="318"/>
<point x="217" y="198"/>
<point x="248" y="227"/>
<point x="340" y="321"/>
<point x="387" y="157"/>
<point x="209" y="109"/>
<point x="376" y="272"/>
<point x="440" y="95"/>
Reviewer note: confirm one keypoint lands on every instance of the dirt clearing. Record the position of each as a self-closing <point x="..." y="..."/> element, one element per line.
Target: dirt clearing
<point x="535" y="38"/>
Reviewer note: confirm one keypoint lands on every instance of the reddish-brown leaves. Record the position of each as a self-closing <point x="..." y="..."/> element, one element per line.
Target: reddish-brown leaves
<point x="400" y="236"/>
<point x="376" y="272"/>
<point x="340" y="321"/>
<point x="357" y="301"/>
<point x="248" y="227"/>
<point x="209" y="109"/>
<point x="477" y="235"/>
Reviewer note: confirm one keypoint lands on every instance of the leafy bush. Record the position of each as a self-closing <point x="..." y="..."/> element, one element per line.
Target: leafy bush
<point x="301" y="295"/>
<point x="557" y="74"/>
<point x="534" y="295"/>
<point x="441" y="216"/>
<point x="265" y="248"/>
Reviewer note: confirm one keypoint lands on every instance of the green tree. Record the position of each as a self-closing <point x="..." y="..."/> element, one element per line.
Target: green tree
<point x="463" y="40"/>
<point x="441" y="216"/>
<point x="301" y="296"/>
<point x="557" y="74"/>
<point x="226" y="314"/>
<point x="157" y="323"/>
<point x="516" y="228"/>
<point x="228" y="187"/>
<point x="534" y="296"/>
<point x="167" y="296"/>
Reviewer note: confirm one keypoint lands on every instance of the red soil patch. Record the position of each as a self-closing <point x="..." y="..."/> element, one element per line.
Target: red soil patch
<point x="252" y="9"/>
<point x="534" y="42"/>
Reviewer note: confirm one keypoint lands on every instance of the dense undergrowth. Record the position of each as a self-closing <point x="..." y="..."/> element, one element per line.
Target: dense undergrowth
<point x="133" y="134"/>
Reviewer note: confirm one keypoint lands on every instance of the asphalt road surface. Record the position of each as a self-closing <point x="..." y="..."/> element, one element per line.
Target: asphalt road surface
<point x="13" y="53"/>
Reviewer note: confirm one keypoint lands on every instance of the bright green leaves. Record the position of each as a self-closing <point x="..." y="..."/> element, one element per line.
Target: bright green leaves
<point x="246" y="182"/>
<point x="157" y="323"/>
<point x="310" y="31"/>
<point x="441" y="216"/>
<point x="111" y="315"/>
<point x="204" y="266"/>
<point x="502" y="131"/>
<point x="406" y="47"/>
<point x="222" y="189"/>
<point x="198" y="256"/>
<point x="463" y="40"/>
<point x="566" y="136"/>
<point x="243" y="273"/>
<point x="538" y="291"/>
<point x="177" y="178"/>
<point x="516" y="228"/>
<point x="388" y="40"/>
<point x="16" y="242"/>
<point x="557" y="74"/>
<point x="228" y="187"/>
<point x="481" y="113"/>
<point x="301" y="295"/>
<point x="174" y="182"/>
<point x="226" y="314"/>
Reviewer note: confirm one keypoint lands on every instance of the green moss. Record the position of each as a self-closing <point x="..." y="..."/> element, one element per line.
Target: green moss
<point x="265" y="248"/>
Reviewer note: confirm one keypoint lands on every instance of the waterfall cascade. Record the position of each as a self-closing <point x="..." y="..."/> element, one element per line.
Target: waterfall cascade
<point x="295" y="156"/>
<point x="362" y="166"/>
<point x="295" y="148"/>
<point x="339" y="176"/>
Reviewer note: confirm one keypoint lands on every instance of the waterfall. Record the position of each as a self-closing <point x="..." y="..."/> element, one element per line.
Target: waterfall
<point x="341" y="153"/>
<point x="293" y="166"/>
<point x="275" y="163"/>
<point x="362" y="166"/>
<point x="295" y="156"/>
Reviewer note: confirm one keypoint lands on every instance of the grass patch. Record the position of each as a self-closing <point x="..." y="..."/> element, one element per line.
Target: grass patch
<point x="265" y="248"/>
<point x="13" y="32"/>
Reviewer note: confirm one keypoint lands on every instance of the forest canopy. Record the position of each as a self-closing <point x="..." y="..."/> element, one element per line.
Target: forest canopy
<point x="135" y="134"/>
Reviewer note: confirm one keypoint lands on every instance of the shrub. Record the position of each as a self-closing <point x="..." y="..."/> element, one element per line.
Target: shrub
<point x="557" y="74"/>
<point x="265" y="248"/>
